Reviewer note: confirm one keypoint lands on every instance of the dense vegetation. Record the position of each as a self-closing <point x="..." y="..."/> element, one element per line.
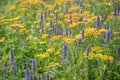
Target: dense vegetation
<point x="60" y="40"/>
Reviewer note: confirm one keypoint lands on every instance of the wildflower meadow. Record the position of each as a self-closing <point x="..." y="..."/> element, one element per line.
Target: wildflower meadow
<point x="59" y="39"/>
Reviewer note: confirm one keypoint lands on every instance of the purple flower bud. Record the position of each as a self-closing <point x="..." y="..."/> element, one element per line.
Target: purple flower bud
<point x="5" y="64"/>
<point x="33" y="65"/>
<point x="88" y="51"/>
<point x="39" y="77"/>
<point x="119" y="51"/>
<point x="65" y="51"/>
<point x="41" y="17"/>
<point x="70" y="18"/>
<point x="14" y="64"/>
<point x="27" y="74"/>
<point x="107" y="25"/>
<point x="119" y="9"/>
<point x="67" y="32"/>
<point x="51" y="24"/>
<point x="48" y="12"/>
<point x="98" y="23"/>
<point x="81" y="4"/>
<point x="28" y="65"/>
<point x="31" y="76"/>
<point x="11" y="56"/>
<point x="83" y="34"/>
<point x="79" y="42"/>
<point x="56" y="16"/>
<point x="64" y="62"/>
<point x="108" y="36"/>
<point x="47" y="77"/>
<point x="115" y="12"/>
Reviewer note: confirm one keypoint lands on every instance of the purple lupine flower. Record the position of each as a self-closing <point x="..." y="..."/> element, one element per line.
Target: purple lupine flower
<point x="81" y="11"/>
<point x="83" y="33"/>
<point x="81" y="4"/>
<point x="45" y="15"/>
<point x="119" y="9"/>
<point x="14" y="64"/>
<point x="98" y="23"/>
<point x="39" y="77"/>
<point x="65" y="51"/>
<point x="5" y="64"/>
<point x="51" y="24"/>
<point x="41" y="17"/>
<point x="31" y="76"/>
<point x="88" y="51"/>
<point x="56" y="16"/>
<point x="107" y="25"/>
<point x="70" y="18"/>
<point x="118" y="51"/>
<point x="64" y="62"/>
<point x="28" y="65"/>
<point x="27" y="74"/>
<point x="11" y="56"/>
<point x="61" y="32"/>
<point x="67" y="32"/>
<point x="79" y="42"/>
<point x="115" y="12"/>
<point x="48" y="12"/>
<point x="58" y="32"/>
<point x="47" y="77"/>
<point x="108" y="36"/>
<point x="33" y="65"/>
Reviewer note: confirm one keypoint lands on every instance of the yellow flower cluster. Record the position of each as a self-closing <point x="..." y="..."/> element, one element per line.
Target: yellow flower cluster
<point x="56" y="38"/>
<point x="54" y="64"/>
<point x="16" y="25"/>
<point x="68" y="40"/>
<point x="2" y="40"/>
<point x="94" y="31"/>
<point x="43" y="56"/>
<point x="97" y="52"/>
<point x="105" y="57"/>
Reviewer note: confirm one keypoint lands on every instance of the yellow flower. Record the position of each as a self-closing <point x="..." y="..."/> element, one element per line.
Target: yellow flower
<point x="50" y="50"/>
<point x="47" y="25"/>
<point x="73" y="8"/>
<point x="90" y="31"/>
<point x="34" y="2"/>
<point x="96" y="49"/>
<point x="110" y="58"/>
<point x="35" y="22"/>
<point x="102" y="30"/>
<point x="11" y="8"/>
<point x="42" y="42"/>
<point x="68" y="40"/>
<point x="57" y="53"/>
<point x="43" y="56"/>
<point x="2" y="40"/>
<point x="54" y="64"/>
<point x="116" y="33"/>
<point x="23" y="9"/>
<point x="44" y="35"/>
<point x="78" y="36"/>
<point x="14" y="25"/>
<point x="73" y="25"/>
<point x="22" y="30"/>
<point x="55" y="38"/>
<point x="89" y="21"/>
